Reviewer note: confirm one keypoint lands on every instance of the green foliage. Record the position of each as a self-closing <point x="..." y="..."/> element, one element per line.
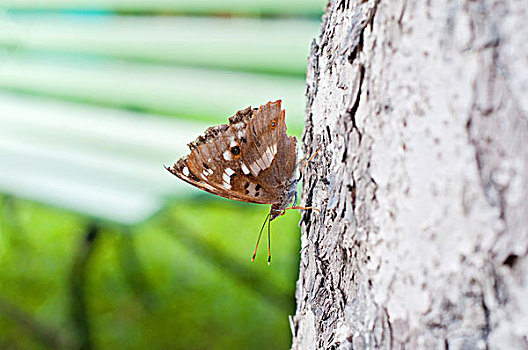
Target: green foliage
<point x="181" y="280"/>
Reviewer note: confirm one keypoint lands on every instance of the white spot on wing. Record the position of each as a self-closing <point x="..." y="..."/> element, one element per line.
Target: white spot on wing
<point x="252" y="189"/>
<point x="255" y="169"/>
<point x="268" y="159"/>
<point x="185" y="171"/>
<point x="226" y="178"/>
<point x="245" y="169"/>
<point x="265" y="160"/>
<point x="270" y="155"/>
<point x="226" y="186"/>
<point x="261" y="164"/>
<point x="232" y="141"/>
<point x="229" y="171"/>
<point x="209" y="187"/>
<point x="271" y="151"/>
<point x="227" y="155"/>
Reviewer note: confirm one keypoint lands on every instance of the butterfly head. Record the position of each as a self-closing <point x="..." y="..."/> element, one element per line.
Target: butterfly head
<point x="276" y="212"/>
<point x="289" y="195"/>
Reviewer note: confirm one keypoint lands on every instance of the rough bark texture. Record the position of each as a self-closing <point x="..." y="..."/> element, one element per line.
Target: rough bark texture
<point x="421" y="112"/>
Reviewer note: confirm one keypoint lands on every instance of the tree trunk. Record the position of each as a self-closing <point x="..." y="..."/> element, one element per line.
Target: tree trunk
<point x="420" y="110"/>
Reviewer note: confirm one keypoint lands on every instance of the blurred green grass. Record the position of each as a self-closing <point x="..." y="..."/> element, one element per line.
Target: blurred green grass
<point x="182" y="280"/>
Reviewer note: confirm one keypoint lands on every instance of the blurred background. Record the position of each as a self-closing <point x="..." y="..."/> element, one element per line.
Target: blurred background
<point x="100" y="247"/>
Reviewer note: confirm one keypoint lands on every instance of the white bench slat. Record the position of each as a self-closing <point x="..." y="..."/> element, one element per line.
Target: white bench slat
<point x="92" y="175"/>
<point x="239" y="44"/>
<point x="211" y="95"/>
<point x="280" y="7"/>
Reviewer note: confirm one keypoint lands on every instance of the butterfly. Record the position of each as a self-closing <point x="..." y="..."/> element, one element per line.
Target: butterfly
<point x="251" y="159"/>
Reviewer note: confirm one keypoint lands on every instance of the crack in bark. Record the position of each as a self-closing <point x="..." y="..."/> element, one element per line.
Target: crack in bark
<point x="389" y="326"/>
<point x="487" y="327"/>
<point x="351" y="112"/>
<point x="356" y="49"/>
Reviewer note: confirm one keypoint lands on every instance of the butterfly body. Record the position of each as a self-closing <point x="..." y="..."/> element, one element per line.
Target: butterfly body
<point x="251" y="159"/>
<point x="290" y="193"/>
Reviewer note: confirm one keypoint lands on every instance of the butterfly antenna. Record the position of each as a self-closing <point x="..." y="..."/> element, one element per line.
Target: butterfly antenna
<point x="258" y="239"/>
<point x="269" y="243"/>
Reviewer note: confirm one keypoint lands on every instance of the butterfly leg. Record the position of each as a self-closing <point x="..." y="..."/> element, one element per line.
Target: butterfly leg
<point x="303" y="208"/>
<point x="294" y="206"/>
<point x="309" y="159"/>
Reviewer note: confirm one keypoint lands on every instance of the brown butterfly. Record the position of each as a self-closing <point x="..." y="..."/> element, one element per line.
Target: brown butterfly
<point x="251" y="159"/>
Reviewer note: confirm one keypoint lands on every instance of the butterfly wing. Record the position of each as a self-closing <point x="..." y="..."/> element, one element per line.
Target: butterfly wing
<point x="250" y="159"/>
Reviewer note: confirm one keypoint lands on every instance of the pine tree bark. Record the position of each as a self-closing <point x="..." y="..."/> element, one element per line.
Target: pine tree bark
<point x="420" y="111"/>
